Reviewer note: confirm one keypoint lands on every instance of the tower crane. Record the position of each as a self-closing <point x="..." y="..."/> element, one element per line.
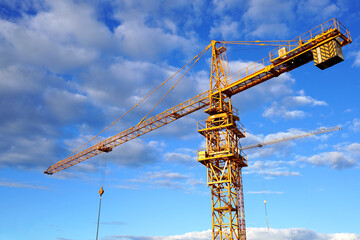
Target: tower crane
<point x="284" y="139"/>
<point x="223" y="157"/>
<point x="296" y="136"/>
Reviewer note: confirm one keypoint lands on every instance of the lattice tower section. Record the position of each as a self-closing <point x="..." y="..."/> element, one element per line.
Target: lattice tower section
<point x="223" y="158"/>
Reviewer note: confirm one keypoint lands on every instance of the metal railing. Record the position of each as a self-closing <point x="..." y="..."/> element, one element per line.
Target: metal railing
<point x="292" y="45"/>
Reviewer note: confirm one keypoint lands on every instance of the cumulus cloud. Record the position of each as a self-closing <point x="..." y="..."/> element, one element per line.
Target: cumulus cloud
<point x="296" y="234"/>
<point x="284" y="108"/>
<point x="26" y="153"/>
<point x="354" y="148"/>
<point x="319" y="9"/>
<point x="263" y="93"/>
<point x="277" y="110"/>
<point x="264" y="192"/>
<point x="136" y="153"/>
<point x="302" y="100"/>
<point x="61" y="71"/>
<point x="345" y="155"/>
<point x="357" y="59"/>
<point x="131" y="35"/>
<point x="271" y="169"/>
<point x="268" y="168"/>
<point x="146" y="20"/>
<point x="225" y="30"/>
<point x="335" y="160"/>
<point x="270" y="149"/>
<point x="355" y="125"/>
<point x="167" y="179"/>
<point x="10" y="184"/>
<point x="183" y="156"/>
<point x="262" y="23"/>
<point x="253" y="234"/>
<point x="280" y="150"/>
<point x="224" y="5"/>
<point x="64" y="38"/>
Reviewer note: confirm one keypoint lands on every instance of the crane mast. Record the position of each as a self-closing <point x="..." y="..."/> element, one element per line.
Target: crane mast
<point x="223" y="156"/>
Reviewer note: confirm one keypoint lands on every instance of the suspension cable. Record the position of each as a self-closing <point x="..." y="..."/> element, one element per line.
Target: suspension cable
<point x="199" y="56"/>
<point x="194" y="58"/>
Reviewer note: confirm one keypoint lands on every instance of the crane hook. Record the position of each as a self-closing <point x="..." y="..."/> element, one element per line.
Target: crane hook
<point x="101" y="191"/>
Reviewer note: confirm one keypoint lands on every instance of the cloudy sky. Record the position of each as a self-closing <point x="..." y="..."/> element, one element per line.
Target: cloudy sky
<point x="69" y="68"/>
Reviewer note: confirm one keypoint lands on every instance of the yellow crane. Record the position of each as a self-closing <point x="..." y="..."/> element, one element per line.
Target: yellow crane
<point x="284" y="139"/>
<point x="292" y="137"/>
<point x="223" y="157"/>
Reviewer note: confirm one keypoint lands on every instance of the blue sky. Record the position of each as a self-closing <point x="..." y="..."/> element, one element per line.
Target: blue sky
<point x="69" y="68"/>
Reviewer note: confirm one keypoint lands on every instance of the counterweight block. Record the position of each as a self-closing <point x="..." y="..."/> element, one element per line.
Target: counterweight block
<point x="328" y="54"/>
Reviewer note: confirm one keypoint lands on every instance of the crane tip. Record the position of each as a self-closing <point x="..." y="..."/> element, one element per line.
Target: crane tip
<point x="48" y="173"/>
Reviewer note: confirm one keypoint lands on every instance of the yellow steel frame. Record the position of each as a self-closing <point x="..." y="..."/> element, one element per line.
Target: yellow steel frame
<point x="223" y="157"/>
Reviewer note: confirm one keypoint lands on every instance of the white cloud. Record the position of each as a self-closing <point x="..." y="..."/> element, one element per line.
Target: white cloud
<point x="180" y="158"/>
<point x="272" y="168"/>
<point x="355" y="125"/>
<point x="261" y="23"/>
<point x="280" y="149"/>
<point x="263" y="93"/>
<point x="64" y="105"/>
<point x="223" y="5"/>
<point x="354" y="148"/>
<point x="357" y="59"/>
<point x="70" y="22"/>
<point x="323" y="9"/>
<point x="146" y="20"/>
<point x="26" y="38"/>
<point x="303" y="100"/>
<point x="264" y="192"/>
<point x="253" y="234"/>
<point x="270" y="29"/>
<point x="346" y="155"/>
<point x="296" y="234"/>
<point x="282" y="173"/>
<point x="284" y="108"/>
<point x="168" y="179"/>
<point x="335" y="160"/>
<point x="25" y="153"/>
<point x="276" y="110"/>
<point x="5" y="183"/>
<point x="131" y="36"/>
<point x="183" y="156"/>
<point x="136" y="153"/>
<point x="226" y="29"/>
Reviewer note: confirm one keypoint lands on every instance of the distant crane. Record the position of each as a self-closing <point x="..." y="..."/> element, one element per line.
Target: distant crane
<point x="223" y="158"/>
<point x="284" y="139"/>
<point x="297" y="136"/>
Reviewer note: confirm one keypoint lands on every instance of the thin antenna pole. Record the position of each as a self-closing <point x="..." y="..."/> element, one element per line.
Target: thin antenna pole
<point x="97" y="231"/>
<point x="267" y="220"/>
<point x="98" y="223"/>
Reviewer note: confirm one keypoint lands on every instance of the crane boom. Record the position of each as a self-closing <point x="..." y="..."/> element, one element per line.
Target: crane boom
<point x="166" y="117"/>
<point x="303" y="135"/>
<point x="291" y="55"/>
